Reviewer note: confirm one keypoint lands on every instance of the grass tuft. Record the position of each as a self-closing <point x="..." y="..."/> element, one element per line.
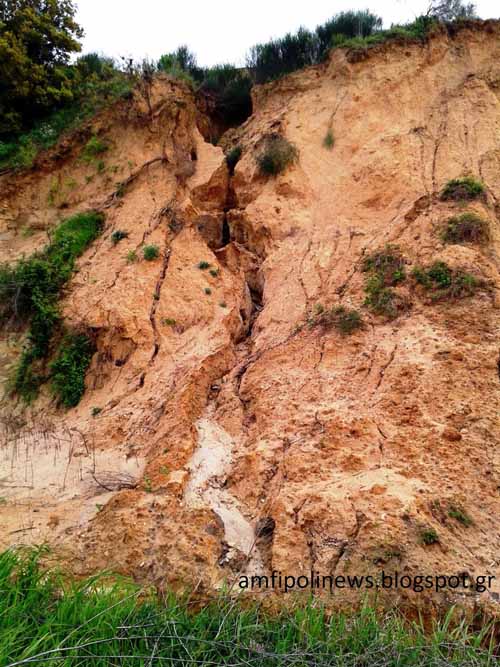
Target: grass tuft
<point x="329" y="140"/>
<point x="94" y="148"/>
<point x="459" y="514"/>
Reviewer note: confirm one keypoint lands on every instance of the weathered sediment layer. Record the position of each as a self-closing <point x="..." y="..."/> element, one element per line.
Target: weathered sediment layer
<point x="258" y="443"/>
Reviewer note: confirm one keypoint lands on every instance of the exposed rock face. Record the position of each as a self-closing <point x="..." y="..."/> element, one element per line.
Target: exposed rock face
<point x="254" y="442"/>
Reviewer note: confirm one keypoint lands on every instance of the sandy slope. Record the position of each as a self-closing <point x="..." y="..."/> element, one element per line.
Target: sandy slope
<point x="235" y="414"/>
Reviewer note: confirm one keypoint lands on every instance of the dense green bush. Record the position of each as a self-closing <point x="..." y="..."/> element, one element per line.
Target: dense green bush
<point x="41" y="94"/>
<point x="91" y="94"/>
<point x="409" y="32"/>
<point x="180" y="64"/>
<point x="69" y="367"/>
<point x="348" y="24"/>
<point x="294" y="51"/>
<point x="428" y="536"/>
<point x="277" y="154"/>
<point x="36" y="40"/>
<point x="462" y="188"/>
<point x="230" y="87"/>
<point x="443" y="282"/>
<point x="29" y="291"/>
<point x="388" y="264"/>
<point x="465" y="228"/>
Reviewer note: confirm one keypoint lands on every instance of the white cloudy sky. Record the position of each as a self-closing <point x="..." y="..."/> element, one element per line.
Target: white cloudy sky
<point x="220" y="30"/>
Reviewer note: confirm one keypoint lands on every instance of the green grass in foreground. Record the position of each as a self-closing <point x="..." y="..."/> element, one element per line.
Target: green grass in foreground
<point x="44" y="620"/>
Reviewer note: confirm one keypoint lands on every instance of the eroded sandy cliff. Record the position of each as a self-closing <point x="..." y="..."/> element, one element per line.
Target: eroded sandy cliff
<point x="250" y="441"/>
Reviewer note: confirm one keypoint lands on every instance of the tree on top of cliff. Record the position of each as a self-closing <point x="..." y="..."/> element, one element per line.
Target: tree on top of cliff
<point x="450" y="10"/>
<point x="36" y="40"/>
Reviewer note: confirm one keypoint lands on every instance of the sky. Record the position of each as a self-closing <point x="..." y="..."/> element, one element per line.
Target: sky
<point x="220" y="31"/>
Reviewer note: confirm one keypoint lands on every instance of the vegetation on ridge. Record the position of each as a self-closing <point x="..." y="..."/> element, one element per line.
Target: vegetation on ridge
<point x="462" y="189"/>
<point x="444" y="282"/>
<point x="29" y="291"/>
<point x="42" y="94"/>
<point x="465" y="228"/>
<point x="103" y="620"/>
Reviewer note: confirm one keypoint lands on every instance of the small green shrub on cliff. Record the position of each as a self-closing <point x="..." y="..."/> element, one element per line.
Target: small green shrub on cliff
<point x="150" y="252"/>
<point x="388" y="264"/>
<point x="93" y="149"/>
<point x="278" y="153"/>
<point x="329" y="140"/>
<point x="344" y="320"/>
<point x="443" y="282"/>
<point x="428" y="536"/>
<point x="69" y="367"/>
<point x="460" y="515"/>
<point x="386" y="269"/>
<point x="465" y="228"/>
<point x="131" y="257"/>
<point x="462" y="188"/>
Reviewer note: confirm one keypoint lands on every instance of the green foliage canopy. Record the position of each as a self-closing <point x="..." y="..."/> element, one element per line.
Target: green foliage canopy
<point x="36" y="40"/>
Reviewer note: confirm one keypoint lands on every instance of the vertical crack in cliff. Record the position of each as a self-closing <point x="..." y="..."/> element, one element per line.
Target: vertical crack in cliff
<point x="155" y="302"/>
<point x="441" y="134"/>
